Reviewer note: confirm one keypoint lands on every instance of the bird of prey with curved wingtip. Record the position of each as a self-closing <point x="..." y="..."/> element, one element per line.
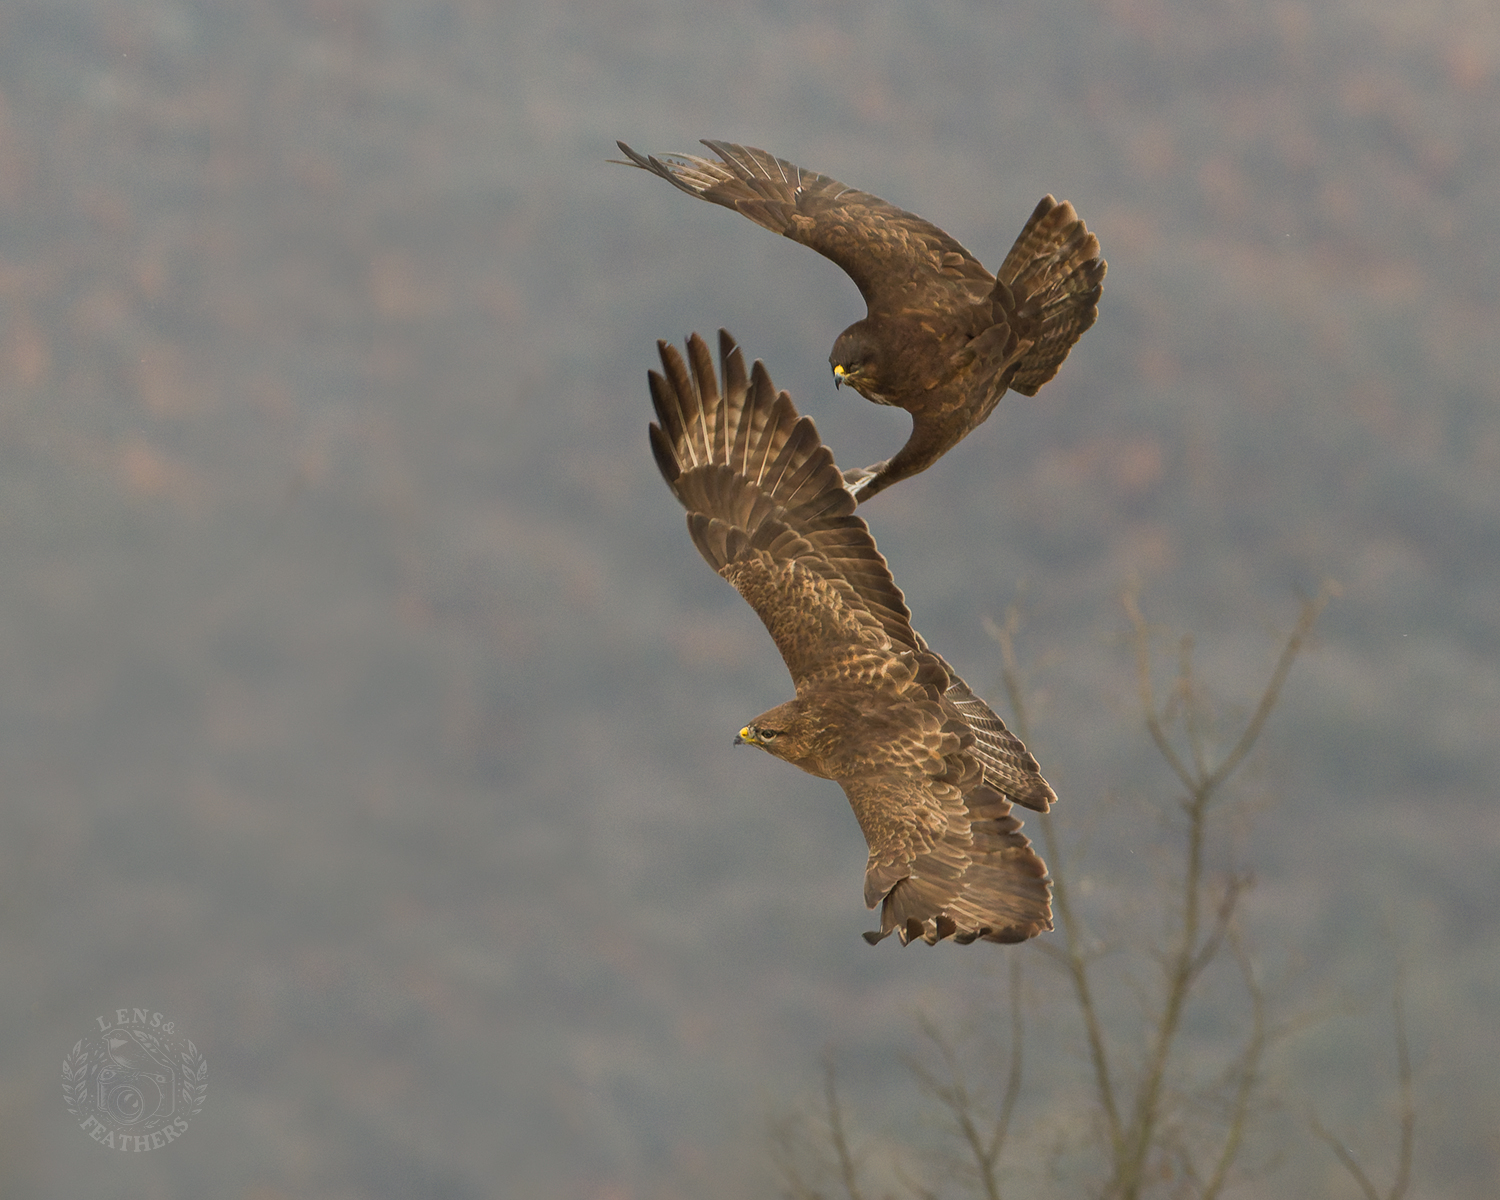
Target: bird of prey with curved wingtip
<point x="942" y="337"/>
<point x="928" y="767"/>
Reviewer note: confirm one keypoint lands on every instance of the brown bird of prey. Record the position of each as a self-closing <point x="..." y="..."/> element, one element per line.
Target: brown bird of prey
<point x="929" y="768"/>
<point x="942" y="338"/>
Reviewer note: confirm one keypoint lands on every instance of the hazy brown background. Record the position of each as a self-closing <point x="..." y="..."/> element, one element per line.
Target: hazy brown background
<point x="365" y="708"/>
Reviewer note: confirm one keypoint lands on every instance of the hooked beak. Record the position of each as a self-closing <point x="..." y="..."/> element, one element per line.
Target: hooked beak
<point x="838" y="375"/>
<point x="744" y="737"/>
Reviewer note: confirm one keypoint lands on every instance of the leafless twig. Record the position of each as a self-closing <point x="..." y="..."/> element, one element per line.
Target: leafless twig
<point x="790" y="1147"/>
<point x="1193" y="949"/>
<point x="1072" y="953"/>
<point x="1407" y="1117"/>
<point x="983" y="1145"/>
<point x="848" y="1168"/>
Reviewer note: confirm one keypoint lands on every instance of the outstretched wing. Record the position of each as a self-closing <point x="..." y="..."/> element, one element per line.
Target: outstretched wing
<point x="768" y="509"/>
<point x="887" y="251"/>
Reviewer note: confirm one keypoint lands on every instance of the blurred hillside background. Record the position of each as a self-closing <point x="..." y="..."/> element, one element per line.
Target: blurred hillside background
<point x="365" y="709"/>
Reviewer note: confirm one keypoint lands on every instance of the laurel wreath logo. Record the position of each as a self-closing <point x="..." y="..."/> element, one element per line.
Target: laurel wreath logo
<point x="75" y="1079"/>
<point x="194" y="1079"/>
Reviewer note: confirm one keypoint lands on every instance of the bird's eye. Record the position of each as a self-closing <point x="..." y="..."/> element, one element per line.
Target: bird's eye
<point x="768" y="735"/>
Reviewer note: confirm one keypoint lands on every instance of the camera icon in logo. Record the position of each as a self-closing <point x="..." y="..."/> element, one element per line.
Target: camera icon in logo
<point x="136" y="1087"/>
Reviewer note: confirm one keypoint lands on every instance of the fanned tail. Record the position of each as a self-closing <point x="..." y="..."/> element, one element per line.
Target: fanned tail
<point x="1002" y="894"/>
<point x="1048" y="289"/>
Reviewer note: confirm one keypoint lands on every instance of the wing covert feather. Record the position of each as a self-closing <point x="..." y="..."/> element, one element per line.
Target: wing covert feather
<point x="1009" y="767"/>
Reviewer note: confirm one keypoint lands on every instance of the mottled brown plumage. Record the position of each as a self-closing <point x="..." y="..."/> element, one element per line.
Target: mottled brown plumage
<point x="929" y="768"/>
<point x="942" y="338"/>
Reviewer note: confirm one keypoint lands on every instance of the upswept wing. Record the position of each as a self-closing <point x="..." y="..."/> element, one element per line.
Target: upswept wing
<point x="768" y="509"/>
<point x="887" y="251"/>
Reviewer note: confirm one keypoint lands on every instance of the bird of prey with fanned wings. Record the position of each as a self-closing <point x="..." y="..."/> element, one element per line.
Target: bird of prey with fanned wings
<point x="942" y="338"/>
<point x="928" y="767"/>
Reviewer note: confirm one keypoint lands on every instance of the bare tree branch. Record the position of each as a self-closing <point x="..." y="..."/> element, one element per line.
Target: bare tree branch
<point x="1350" y="1162"/>
<point x="1311" y="609"/>
<point x="1247" y="1072"/>
<point x="1072" y="953"/>
<point x="1131" y="600"/>
<point x="786" y="1153"/>
<point x="915" y="1186"/>
<point x="1192" y="707"/>
<point x="984" y="1147"/>
<point x="1013" y="1076"/>
<point x="791" y="1147"/>
<point x="1193" y="952"/>
<point x="848" y="1167"/>
<point x="1407" y="1116"/>
<point x="1408" y="1100"/>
